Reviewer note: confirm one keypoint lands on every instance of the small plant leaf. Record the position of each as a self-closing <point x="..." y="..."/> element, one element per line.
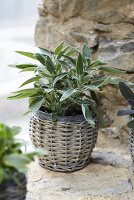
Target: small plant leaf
<point x="23" y="66"/>
<point x="86" y="51"/>
<point x="112" y="70"/>
<point x="33" y="79"/>
<point x="68" y="94"/>
<point x="70" y="59"/>
<point x="131" y="124"/>
<point x="27" y="54"/>
<point x="88" y="115"/>
<point x="125" y="112"/>
<point x="59" y="48"/>
<point x="72" y="51"/>
<point x="49" y="66"/>
<point x="96" y="64"/>
<point x="17" y="96"/>
<point x="99" y="115"/>
<point x="91" y="87"/>
<point x="131" y="102"/>
<point x="63" y="63"/>
<point x="48" y="90"/>
<point x="102" y="82"/>
<point x="36" y="104"/>
<point x="79" y="64"/>
<point x="59" y="77"/>
<point x="45" y="51"/>
<point x="94" y="97"/>
<point x="63" y="52"/>
<point x="54" y="116"/>
<point x="40" y="57"/>
<point x="21" y="96"/>
<point x="29" y="90"/>
<point x="126" y="92"/>
<point x="17" y="161"/>
<point x="105" y="82"/>
<point x="29" y="69"/>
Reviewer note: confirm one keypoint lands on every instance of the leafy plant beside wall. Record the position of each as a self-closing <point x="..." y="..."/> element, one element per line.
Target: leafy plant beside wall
<point x="66" y="81"/>
<point x="64" y="105"/>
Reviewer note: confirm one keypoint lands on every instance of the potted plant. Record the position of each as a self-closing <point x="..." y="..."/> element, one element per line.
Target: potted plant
<point x="64" y="107"/>
<point x="128" y="94"/>
<point x="13" y="165"/>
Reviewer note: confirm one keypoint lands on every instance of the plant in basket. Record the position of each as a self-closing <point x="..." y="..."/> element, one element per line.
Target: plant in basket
<point x="13" y="165"/>
<point x="128" y="94"/>
<point x="64" y="104"/>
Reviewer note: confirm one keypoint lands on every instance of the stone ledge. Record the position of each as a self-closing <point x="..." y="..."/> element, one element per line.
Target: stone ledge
<point x="109" y="176"/>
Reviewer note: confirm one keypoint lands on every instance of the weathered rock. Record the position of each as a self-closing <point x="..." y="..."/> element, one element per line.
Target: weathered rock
<point x="51" y="7"/>
<point x="111" y="131"/>
<point x="111" y="50"/>
<point x="42" y="11"/>
<point x="47" y="34"/>
<point x="127" y="47"/>
<point x="111" y="158"/>
<point x="91" y="39"/>
<point x="127" y="12"/>
<point x="102" y="27"/>
<point x="69" y="9"/>
<point x="103" y="11"/>
<point x="109" y="177"/>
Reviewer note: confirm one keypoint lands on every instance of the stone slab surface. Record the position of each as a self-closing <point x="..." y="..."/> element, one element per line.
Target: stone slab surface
<point x="108" y="176"/>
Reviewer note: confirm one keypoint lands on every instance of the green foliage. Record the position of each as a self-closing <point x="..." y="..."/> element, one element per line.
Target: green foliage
<point x="128" y="95"/>
<point x="66" y="79"/>
<point x="11" y="157"/>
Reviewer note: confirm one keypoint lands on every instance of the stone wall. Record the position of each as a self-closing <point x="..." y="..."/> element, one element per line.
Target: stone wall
<point x="106" y="25"/>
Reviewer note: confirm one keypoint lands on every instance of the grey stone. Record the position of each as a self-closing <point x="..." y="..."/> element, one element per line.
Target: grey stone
<point x="42" y="12"/>
<point x="124" y="61"/>
<point x="112" y="132"/>
<point x="51" y="7"/>
<point x="69" y="8"/>
<point x="113" y="49"/>
<point x="102" y="27"/>
<point x="127" y="12"/>
<point x="103" y="11"/>
<point x="108" y="53"/>
<point x="111" y="158"/>
<point x="127" y="47"/>
<point x="91" y="38"/>
<point x="131" y="35"/>
<point x="96" y="181"/>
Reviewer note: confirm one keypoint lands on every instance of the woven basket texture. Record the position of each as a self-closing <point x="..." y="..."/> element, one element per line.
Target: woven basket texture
<point x="10" y="190"/>
<point x="131" y="144"/>
<point x="69" y="142"/>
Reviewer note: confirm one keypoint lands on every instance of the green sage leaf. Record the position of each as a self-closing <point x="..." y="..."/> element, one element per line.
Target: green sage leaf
<point x="88" y="115"/>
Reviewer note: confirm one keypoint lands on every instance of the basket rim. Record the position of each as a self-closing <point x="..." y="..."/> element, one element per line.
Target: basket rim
<point x="65" y="119"/>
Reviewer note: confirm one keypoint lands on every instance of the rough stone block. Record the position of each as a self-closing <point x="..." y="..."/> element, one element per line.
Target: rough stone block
<point x="69" y="8"/>
<point x="91" y="39"/>
<point x="104" y="11"/>
<point x="52" y="7"/>
<point x="102" y="27"/>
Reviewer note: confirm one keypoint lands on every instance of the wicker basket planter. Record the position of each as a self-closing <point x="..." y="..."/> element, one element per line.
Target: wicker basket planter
<point x="69" y="142"/>
<point x="131" y="144"/>
<point x="10" y="190"/>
